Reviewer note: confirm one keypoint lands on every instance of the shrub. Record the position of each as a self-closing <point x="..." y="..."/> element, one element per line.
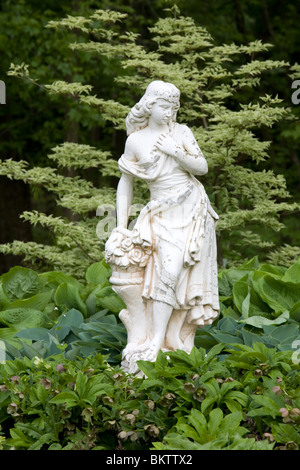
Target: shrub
<point x="62" y="387"/>
<point x="247" y="400"/>
<point x="226" y="122"/>
<point x="39" y="312"/>
<point x="43" y="314"/>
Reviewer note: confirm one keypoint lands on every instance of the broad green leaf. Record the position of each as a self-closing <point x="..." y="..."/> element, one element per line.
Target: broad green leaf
<point x="35" y="334"/>
<point x="225" y="288"/>
<point x="229" y="312"/>
<point x="26" y="317"/>
<point x="148" y="368"/>
<point x="8" y="335"/>
<point x="190" y="432"/>
<point x="272" y="269"/>
<point x="282" y="336"/>
<point x="81" y="384"/>
<point x="36" y="302"/>
<point x="214" y="351"/>
<point x="161" y="362"/>
<point x="231" y="422"/>
<point x="285" y="433"/>
<point x="278" y="294"/>
<point x="21" y="283"/>
<point x="208" y="401"/>
<point x="295" y="312"/>
<point x="107" y="298"/>
<point x="149" y="383"/>
<point x="4" y="299"/>
<point x="43" y="439"/>
<point x="177" y="442"/>
<point x="260" y="321"/>
<point x="197" y="355"/>
<point x="238" y="396"/>
<point x="19" y="439"/>
<point x="250" y="337"/>
<point x="97" y="387"/>
<point x="42" y="394"/>
<point x="197" y="419"/>
<point x="71" y="318"/>
<point x="225" y="337"/>
<point x="228" y="325"/>
<point x="232" y="275"/>
<point x="292" y="274"/>
<point x="246" y="306"/>
<point x="247" y="300"/>
<point x="67" y="296"/>
<point x="11" y="352"/>
<point x="98" y="273"/>
<point x="31" y="351"/>
<point x="268" y="406"/>
<point x="53" y="279"/>
<point x="70" y="398"/>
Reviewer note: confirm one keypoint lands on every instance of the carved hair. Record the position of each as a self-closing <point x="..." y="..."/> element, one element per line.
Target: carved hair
<point x="139" y="115"/>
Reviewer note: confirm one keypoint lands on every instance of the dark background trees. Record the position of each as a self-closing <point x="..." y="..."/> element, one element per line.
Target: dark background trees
<point x="32" y="122"/>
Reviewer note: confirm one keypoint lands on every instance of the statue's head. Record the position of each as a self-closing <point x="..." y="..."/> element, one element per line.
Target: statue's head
<point x="138" y="116"/>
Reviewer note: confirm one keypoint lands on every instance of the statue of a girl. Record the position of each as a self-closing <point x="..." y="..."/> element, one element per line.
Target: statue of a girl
<point x="170" y="284"/>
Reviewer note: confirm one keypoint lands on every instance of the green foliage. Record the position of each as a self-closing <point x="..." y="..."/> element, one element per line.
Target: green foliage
<point x="41" y="313"/>
<point x="259" y="303"/>
<point x="196" y="433"/>
<point x="213" y="80"/>
<point x="258" y="382"/>
<point x="188" y="402"/>
<point x="263" y="290"/>
<point x="53" y="308"/>
<point x="61" y="386"/>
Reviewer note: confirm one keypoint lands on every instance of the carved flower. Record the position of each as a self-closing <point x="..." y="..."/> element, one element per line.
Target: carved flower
<point x="126" y="244"/>
<point x="123" y="250"/>
<point x="136" y="255"/>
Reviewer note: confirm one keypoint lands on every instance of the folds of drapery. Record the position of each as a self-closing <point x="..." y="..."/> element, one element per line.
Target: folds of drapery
<point x="179" y="212"/>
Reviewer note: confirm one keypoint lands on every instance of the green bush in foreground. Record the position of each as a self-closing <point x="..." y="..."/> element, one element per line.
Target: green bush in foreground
<point x="231" y="398"/>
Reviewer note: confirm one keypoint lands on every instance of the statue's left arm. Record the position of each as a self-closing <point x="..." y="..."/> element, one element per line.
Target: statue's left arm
<point x="188" y="153"/>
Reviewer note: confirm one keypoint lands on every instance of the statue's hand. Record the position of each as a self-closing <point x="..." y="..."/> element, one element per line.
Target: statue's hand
<point x="122" y="231"/>
<point x="167" y="145"/>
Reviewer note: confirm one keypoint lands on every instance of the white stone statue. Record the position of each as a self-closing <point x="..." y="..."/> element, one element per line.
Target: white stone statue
<point x="165" y="268"/>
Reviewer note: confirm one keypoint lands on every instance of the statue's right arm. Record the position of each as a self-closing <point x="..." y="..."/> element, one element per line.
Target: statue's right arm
<point x="125" y="189"/>
<point x="124" y="199"/>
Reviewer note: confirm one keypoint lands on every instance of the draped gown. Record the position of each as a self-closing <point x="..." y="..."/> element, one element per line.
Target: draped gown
<point x="180" y="214"/>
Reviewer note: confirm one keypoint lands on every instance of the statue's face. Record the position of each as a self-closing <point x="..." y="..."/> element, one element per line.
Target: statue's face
<point x="162" y="111"/>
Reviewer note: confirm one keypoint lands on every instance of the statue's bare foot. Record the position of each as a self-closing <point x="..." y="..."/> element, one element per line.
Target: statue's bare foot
<point x="131" y="354"/>
<point x="151" y="353"/>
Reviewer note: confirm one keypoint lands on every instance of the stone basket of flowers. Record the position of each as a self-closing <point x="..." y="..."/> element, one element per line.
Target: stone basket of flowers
<point x="128" y="257"/>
